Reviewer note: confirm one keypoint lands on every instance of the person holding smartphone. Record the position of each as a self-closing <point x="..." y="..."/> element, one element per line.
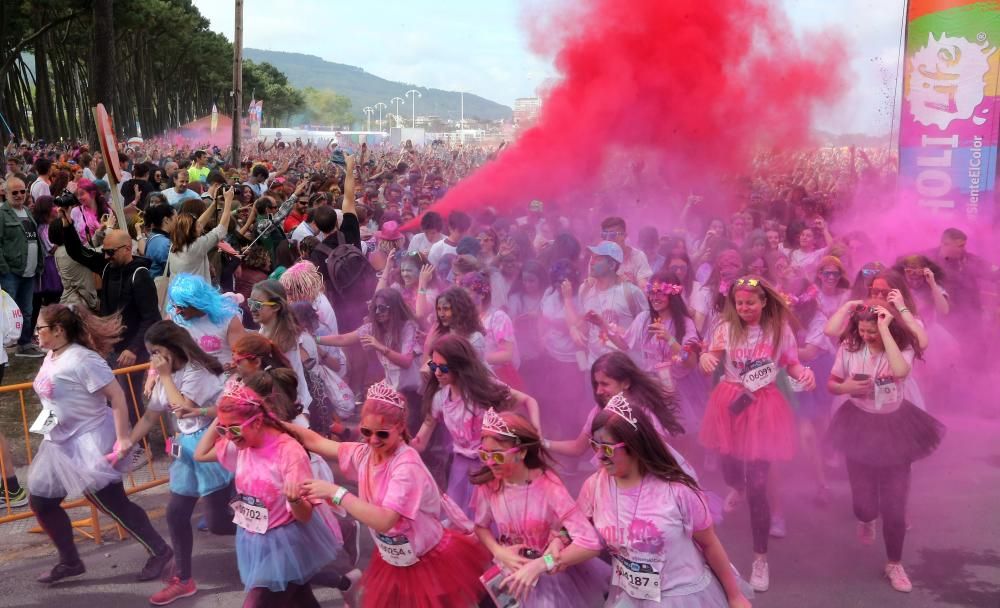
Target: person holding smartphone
<point x="880" y="432"/>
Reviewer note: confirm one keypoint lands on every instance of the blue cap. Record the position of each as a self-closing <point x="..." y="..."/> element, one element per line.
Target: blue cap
<point x="610" y="249"/>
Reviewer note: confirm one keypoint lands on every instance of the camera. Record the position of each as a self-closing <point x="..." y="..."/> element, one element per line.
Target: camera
<point x="66" y="200"/>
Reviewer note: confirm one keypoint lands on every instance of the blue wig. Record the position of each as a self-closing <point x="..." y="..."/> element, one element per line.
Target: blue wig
<point x="194" y="291"/>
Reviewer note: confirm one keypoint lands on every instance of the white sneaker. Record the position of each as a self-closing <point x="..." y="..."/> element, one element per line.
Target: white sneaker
<point x="760" y="576"/>
<point x="897" y="578"/>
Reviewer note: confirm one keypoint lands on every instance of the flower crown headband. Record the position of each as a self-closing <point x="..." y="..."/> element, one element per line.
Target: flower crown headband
<point x="665" y="288"/>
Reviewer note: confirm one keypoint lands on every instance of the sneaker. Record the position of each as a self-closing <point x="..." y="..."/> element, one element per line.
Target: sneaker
<point x="350" y="594"/>
<point x="866" y="532"/>
<point x="897" y="578"/>
<point x="778" y="528"/>
<point x="175" y="590"/>
<point x="155" y="565"/>
<point x="17" y="499"/>
<point x="29" y="350"/>
<point x="62" y="571"/>
<point x="760" y="576"/>
<point x="137" y="460"/>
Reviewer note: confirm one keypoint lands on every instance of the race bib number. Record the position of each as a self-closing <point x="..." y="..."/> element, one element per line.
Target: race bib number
<point x="250" y="514"/>
<point x="638" y="580"/>
<point x="665" y="375"/>
<point x="759" y="374"/>
<point x="886" y="392"/>
<point x="45" y="422"/>
<point x="396" y="550"/>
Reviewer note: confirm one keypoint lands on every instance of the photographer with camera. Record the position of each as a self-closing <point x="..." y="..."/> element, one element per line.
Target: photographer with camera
<point x="127" y="288"/>
<point x="21" y="259"/>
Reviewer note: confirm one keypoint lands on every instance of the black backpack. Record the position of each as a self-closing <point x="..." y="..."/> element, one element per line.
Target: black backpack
<point x="352" y="277"/>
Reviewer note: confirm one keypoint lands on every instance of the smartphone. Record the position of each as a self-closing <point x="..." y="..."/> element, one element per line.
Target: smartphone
<point x="105" y="218"/>
<point x="741" y="403"/>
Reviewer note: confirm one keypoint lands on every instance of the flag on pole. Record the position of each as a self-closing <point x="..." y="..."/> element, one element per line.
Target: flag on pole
<point x="215" y="118"/>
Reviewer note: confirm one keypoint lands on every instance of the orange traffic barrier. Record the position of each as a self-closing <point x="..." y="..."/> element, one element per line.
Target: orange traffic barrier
<point x="89" y="526"/>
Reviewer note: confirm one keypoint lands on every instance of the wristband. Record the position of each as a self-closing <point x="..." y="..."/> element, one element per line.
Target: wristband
<point x="903" y="309"/>
<point x="339" y="495"/>
<point x="422" y="292"/>
<point x="550" y="562"/>
<point x="203" y="411"/>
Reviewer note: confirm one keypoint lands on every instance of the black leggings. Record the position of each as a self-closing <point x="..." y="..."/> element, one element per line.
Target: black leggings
<point x="179" y="511"/>
<point x="113" y="502"/>
<point x="751" y="479"/>
<point x="294" y="596"/>
<point x="882" y="491"/>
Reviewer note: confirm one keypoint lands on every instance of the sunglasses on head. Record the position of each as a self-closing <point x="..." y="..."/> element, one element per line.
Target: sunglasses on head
<point x="606" y="449"/>
<point x="498" y="457"/>
<point x="256" y="305"/>
<point x="869" y="272"/>
<point x="110" y="252"/>
<point x="237" y="358"/>
<point x="862" y="308"/>
<point x="365" y="432"/>
<point x="235" y="430"/>
<point x="434" y="367"/>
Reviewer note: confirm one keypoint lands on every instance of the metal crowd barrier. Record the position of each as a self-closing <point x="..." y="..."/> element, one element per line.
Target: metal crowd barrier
<point x="89" y="526"/>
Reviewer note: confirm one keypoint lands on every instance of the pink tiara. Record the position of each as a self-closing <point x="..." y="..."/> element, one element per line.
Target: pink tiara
<point x="241" y="393"/>
<point x="382" y="391"/>
<point x="493" y="423"/>
<point x="619" y="405"/>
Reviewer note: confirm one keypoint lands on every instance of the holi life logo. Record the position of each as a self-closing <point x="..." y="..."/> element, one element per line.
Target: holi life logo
<point x="947" y="79"/>
<point x="645" y="537"/>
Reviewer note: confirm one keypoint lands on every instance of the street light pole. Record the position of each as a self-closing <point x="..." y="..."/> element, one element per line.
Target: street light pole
<point x="413" y="107"/>
<point x="380" y="106"/>
<point x="397" y="101"/>
<point x="461" y="120"/>
<point x="368" y="112"/>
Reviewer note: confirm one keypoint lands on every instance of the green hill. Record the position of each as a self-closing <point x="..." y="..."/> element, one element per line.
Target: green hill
<point x="364" y="89"/>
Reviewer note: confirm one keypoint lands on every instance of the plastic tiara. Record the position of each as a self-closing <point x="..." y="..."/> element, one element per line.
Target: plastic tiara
<point x="382" y="391"/>
<point x="619" y="405"/>
<point x="493" y="423"/>
<point x="243" y="394"/>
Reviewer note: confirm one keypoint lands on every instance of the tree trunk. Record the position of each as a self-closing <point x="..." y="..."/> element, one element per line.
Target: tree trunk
<point x="103" y="74"/>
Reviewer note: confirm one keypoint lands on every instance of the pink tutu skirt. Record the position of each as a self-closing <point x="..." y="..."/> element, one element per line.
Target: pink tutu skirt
<point x="447" y="576"/>
<point x="765" y="430"/>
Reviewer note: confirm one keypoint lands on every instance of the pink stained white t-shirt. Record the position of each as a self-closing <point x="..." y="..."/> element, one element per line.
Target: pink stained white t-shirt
<point x="876" y="366"/>
<point x="654" y="351"/>
<point x="401" y="484"/>
<point x="69" y="384"/>
<point x="651" y="523"/>
<point x="500" y="329"/>
<point x="400" y="378"/>
<point x="261" y="472"/>
<point x="464" y="422"/>
<point x="532" y="514"/>
<point x="756" y="345"/>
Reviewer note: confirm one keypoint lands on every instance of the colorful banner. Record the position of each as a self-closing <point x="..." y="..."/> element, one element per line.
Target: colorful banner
<point x="949" y="122"/>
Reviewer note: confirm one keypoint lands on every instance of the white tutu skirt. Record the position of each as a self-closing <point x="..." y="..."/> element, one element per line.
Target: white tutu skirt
<point x="580" y="586"/>
<point x="292" y="553"/>
<point x="712" y="596"/>
<point x="74" y="466"/>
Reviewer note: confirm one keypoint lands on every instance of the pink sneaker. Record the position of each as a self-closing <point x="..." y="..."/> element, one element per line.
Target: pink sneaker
<point x="866" y="532"/>
<point x="897" y="578"/>
<point x="175" y="590"/>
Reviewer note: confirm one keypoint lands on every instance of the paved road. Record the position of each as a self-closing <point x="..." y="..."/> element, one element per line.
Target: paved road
<point x="952" y="551"/>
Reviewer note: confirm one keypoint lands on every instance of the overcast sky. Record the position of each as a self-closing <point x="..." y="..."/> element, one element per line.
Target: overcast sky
<point x="479" y="47"/>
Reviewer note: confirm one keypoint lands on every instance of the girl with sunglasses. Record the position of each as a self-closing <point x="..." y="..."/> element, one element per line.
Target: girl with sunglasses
<point x="391" y="332"/>
<point x="535" y="519"/>
<point x="833" y="288"/>
<point x="748" y="419"/>
<point x="880" y="431"/>
<point x="418" y="562"/>
<point x="459" y="391"/>
<point x="187" y="384"/>
<point x="281" y="543"/>
<point x="502" y="354"/>
<point x="654" y="520"/>
<point x="709" y="300"/>
<point x="269" y="307"/>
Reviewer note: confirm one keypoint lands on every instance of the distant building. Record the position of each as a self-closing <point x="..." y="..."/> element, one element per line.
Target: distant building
<point x="526" y="110"/>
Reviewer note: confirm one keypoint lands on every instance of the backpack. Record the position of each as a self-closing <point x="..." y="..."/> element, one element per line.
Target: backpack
<point x="352" y="277"/>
